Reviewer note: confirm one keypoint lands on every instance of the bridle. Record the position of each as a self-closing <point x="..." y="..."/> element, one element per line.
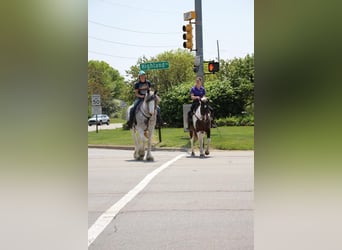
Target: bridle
<point x="150" y="98"/>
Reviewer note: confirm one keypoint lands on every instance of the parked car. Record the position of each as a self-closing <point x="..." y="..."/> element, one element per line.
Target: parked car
<point x="101" y="119"/>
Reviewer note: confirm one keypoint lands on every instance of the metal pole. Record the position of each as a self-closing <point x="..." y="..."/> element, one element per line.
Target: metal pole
<point x="218" y="51"/>
<point x="159" y="130"/>
<point x="96" y="125"/>
<point x="199" y="37"/>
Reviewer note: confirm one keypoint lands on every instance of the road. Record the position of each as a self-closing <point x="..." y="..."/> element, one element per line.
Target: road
<point x="191" y="203"/>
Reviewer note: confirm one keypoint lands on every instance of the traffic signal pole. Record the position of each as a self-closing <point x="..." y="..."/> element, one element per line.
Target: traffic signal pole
<point x="199" y="38"/>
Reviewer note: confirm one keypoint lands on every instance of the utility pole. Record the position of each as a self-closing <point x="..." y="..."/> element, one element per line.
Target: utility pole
<point x="199" y="38"/>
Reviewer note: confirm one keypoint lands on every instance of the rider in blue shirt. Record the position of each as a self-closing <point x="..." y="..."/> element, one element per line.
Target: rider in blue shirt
<point x="196" y="93"/>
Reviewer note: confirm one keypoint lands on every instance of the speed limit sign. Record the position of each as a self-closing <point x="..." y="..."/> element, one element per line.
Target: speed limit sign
<point x="95" y="100"/>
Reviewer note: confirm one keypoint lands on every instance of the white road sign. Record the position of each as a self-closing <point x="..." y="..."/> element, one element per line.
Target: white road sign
<point x="96" y="110"/>
<point x="95" y="100"/>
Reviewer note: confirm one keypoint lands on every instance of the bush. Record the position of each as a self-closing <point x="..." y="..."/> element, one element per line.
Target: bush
<point x="171" y="105"/>
<point x="236" y="121"/>
<point x="225" y="100"/>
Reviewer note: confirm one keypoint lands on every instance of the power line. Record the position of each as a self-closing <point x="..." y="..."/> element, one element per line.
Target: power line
<point x="135" y="31"/>
<point x="104" y="54"/>
<point x="133" y="45"/>
<point x="141" y="9"/>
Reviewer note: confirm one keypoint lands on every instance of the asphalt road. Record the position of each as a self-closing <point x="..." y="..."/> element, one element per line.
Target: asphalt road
<point x="191" y="203"/>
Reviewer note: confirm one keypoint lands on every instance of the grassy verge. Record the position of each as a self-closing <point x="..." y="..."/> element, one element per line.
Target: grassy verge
<point x="117" y="120"/>
<point x="233" y="138"/>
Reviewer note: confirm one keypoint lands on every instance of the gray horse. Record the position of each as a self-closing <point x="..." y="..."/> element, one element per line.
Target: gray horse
<point x="200" y="126"/>
<point x="142" y="130"/>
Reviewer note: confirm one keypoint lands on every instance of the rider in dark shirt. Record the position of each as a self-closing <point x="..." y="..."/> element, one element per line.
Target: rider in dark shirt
<point x="197" y="92"/>
<point x="140" y="89"/>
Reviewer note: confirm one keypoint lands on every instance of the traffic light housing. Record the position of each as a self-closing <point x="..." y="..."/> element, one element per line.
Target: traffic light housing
<point x="213" y="67"/>
<point x="187" y="36"/>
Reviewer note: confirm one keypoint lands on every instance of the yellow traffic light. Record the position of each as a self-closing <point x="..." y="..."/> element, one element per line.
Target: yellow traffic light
<point x="187" y="36"/>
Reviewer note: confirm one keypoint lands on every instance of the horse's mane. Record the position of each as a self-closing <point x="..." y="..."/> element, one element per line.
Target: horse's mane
<point x="152" y="95"/>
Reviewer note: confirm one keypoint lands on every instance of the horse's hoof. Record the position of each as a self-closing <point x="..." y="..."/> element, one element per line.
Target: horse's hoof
<point x="192" y="154"/>
<point x="201" y="155"/>
<point x="150" y="158"/>
<point x="207" y="152"/>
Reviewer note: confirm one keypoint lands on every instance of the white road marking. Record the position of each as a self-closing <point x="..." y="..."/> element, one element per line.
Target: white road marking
<point x="102" y="222"/>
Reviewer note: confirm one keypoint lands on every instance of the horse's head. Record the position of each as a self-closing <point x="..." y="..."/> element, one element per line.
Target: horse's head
<point x="152" y="100"/>
<point x="204" y="107"/>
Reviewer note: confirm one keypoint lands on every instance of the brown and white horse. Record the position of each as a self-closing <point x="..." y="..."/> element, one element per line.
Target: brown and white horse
<point x="200" y="126"/>
<point x="146" y="117"/>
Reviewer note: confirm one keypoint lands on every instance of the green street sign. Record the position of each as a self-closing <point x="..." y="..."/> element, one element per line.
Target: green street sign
<point x="154" y="65"/>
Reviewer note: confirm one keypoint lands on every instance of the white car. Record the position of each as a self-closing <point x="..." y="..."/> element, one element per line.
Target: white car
<point x="101" y="119"/>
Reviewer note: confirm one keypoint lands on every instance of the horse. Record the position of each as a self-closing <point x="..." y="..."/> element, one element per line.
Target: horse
<point x="200" y="126"/>
<point x="143" y="125"/>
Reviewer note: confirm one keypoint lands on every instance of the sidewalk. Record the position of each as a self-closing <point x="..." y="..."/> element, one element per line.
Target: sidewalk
<point x="104" y="126"/>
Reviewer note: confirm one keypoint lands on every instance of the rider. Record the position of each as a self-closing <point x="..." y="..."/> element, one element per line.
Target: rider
<point x="140" y="89"/>
<point x="197" y="92"/>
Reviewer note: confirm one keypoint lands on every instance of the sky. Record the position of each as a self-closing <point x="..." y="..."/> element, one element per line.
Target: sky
<point x="120" y="32"/>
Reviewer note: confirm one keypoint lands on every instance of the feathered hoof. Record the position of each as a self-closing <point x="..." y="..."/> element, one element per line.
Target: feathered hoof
<point x="192" y="154"/>
<point x="201" y="155"/>
<point x="207" y="152"/>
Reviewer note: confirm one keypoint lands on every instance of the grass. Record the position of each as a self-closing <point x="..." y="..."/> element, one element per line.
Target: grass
<point x="117" y="120"/>
<point x="233" y="138"/>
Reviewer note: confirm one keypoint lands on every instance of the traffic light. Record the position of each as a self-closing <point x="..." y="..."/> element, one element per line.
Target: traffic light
<point x="187" y="36"/>
<point x="213" y="67"/>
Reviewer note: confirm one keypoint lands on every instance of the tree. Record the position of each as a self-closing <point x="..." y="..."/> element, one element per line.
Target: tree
<point x="240" y="73"/>
<point x="105" y="81"/>
<point x="180" y="70"/>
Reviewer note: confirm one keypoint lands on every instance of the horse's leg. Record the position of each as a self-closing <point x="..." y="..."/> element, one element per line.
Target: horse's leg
<point x="149" y="156"/>
<point x="141" y="147"/>
<point x="208" y="142"/>
<point x="192" y="138"/>
<point x="200" y="141"/>
<point x="136" y="144"/>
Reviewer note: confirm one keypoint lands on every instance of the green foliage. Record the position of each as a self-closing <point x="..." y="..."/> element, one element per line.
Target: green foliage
<point x="171" y="105"/>
<point x="247" y="120"/>
<point x="240" y="73"/>
<point x="105" y="81"/>
<point x="225" y="100"/>
<point x="222" y="98"/>
<point x="180" y="70"/>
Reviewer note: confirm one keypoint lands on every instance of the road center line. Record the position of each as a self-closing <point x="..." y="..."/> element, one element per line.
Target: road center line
<point x="102" y="222"/>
